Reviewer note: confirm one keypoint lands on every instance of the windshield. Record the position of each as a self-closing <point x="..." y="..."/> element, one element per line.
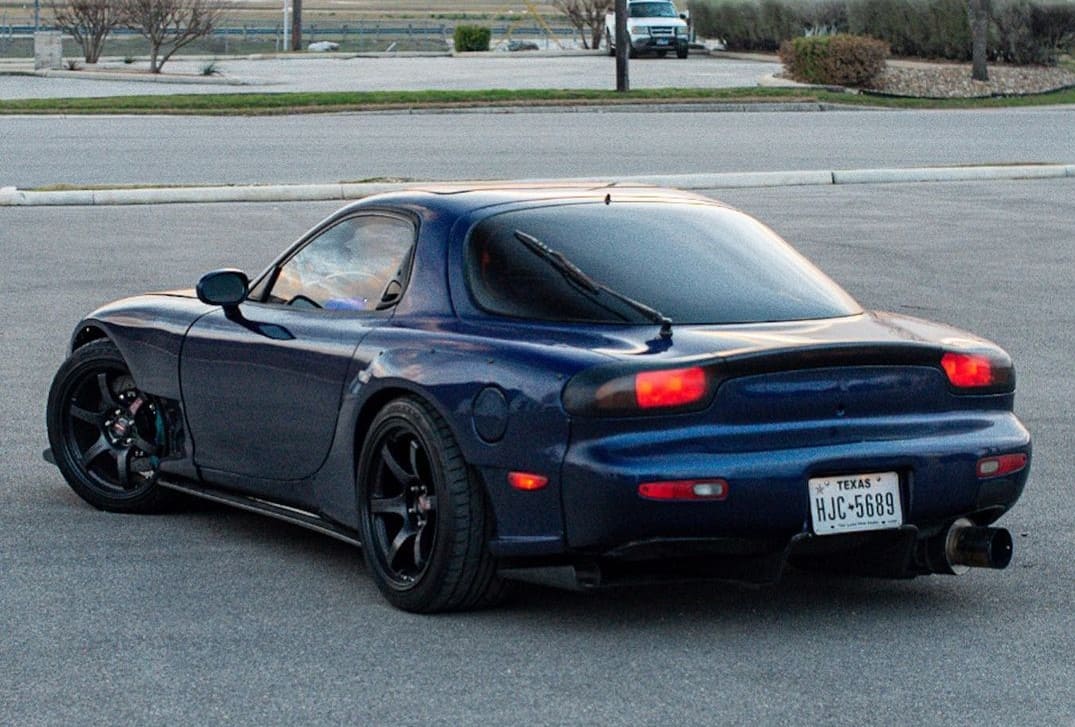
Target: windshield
<point x="652" y="10"/>
<point x="695" y="263"/>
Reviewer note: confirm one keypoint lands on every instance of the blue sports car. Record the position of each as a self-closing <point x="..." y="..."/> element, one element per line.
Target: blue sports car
<point x="561" y="384"/>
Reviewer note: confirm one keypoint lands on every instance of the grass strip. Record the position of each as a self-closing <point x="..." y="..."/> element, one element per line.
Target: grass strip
<point x="322" y="102"/>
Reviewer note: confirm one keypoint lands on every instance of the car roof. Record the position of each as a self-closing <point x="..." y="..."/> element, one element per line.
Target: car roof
<point x="471" y="196"/>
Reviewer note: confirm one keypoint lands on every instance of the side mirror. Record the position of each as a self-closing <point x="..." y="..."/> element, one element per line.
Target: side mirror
<point x="227" y="288"/>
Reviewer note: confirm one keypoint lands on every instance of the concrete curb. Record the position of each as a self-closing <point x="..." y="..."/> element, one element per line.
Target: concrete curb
<point x="13" y="197"/>
<point x="118" y="76"/>
<point x="952" y="174"/>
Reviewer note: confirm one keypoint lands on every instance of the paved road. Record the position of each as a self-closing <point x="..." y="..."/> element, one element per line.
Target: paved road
<point x="313" y="73"/>
<point x="213" y="616"/>
<point x="348" y="147"/>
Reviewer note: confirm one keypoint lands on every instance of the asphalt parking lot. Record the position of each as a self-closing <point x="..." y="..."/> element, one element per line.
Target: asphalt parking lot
<point x="404" y="73"/>
<point x="213" y="616"/>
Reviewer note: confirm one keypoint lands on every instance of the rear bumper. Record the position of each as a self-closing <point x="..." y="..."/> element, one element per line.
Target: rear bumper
<point x="768" y="499"/>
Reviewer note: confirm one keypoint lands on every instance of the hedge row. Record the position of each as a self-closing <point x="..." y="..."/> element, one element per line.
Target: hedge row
<point x="841" y="59"/>
<point x="1022" y="31"/>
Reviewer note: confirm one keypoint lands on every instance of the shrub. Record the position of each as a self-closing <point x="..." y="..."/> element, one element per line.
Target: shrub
<point x="842" y="60"/>
<point x="922" y="28"/>
<point x="472" y="38"/>
<point x="1034" y="33"/>
<point x="761" y="25"/>
<point x="1022" y="31"/>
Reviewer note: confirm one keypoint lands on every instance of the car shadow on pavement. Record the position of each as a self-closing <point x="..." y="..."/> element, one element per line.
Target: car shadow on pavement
<point x="798" y="595"/>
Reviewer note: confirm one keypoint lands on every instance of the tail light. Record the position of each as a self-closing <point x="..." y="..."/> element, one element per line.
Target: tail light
<point x="671" y="388"/>
<point x="616" y="392"/>
<point x="975" y="372"/>
<point x="678" y="490"/>
<point x="1004" y="464"/>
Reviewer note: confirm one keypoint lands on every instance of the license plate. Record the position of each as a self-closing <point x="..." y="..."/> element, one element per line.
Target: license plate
<point x="663" y="41"/>
<point x="851" y="503"/>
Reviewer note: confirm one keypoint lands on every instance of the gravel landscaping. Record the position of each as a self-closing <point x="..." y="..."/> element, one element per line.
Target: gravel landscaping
<point x="931" y="80"/>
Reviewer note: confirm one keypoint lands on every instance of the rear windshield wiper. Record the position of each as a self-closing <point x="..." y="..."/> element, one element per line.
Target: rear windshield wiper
<point x="573" y="274"/>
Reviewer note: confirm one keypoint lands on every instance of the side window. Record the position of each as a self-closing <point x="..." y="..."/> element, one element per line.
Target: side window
<point x="356" y="264"/>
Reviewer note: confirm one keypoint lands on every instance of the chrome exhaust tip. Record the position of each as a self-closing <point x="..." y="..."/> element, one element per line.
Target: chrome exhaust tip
<point x="964" y="546"/>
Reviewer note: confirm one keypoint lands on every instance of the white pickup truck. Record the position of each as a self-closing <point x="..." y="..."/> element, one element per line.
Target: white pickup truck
<point x="654" y="26"/>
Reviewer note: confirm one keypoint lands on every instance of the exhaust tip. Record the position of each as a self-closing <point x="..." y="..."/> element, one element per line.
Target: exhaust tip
<point x="979" y="547"/>
<point x="964" y="546"/>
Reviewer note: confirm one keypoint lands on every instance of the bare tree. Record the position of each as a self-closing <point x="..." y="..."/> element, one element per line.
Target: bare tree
<point x="586" y="15"/>
<point x="89" y="22"/>
<point x="169" y="25"/>
<point x="978" y="12"/>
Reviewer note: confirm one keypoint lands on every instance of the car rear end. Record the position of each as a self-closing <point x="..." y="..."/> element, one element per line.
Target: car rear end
<point x="854" y="455"/>
<point x="747" y="412"/>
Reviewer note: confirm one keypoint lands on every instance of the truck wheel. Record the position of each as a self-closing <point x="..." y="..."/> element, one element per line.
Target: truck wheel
<point x="682" y="52"/>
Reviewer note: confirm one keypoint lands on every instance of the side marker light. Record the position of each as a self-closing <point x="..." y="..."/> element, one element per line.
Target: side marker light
<point x="527" y="481"/>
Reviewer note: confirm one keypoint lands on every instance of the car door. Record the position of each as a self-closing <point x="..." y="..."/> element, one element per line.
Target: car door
<point x="262" y="384"/>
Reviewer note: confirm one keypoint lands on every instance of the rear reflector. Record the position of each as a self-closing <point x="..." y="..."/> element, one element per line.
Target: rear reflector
<point x="1004" y="464"/>
<point x="685" y="490"/>
<point x="670" y="388"/>
<point x="527" y="481"/>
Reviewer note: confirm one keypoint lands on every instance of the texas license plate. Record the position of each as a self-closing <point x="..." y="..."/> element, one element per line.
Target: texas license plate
<point x="851" y="503"/>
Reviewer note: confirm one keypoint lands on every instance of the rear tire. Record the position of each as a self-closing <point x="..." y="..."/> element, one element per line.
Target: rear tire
<point x="106" y="435"/>
<point x="682" y="53"/>
<point x="423" y="520"/>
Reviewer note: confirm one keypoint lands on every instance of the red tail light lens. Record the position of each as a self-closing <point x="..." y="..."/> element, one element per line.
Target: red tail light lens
<point x="623" y="390"/>
<point x="1004" y="464"/>
<point x="979" y="371"/>
<point x="671" y="388"/>
<point x="967" y="370"/>
<point x="685" y="490"/>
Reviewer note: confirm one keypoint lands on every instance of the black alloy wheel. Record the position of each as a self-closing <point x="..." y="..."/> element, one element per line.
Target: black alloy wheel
<point x="403" y="506"/>
<point x="106" y="435"/>
<point x="423" y="522"/>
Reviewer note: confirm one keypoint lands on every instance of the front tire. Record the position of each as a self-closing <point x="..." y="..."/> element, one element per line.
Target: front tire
<point x="423" y="520"/>
<point x="106" y="435"/>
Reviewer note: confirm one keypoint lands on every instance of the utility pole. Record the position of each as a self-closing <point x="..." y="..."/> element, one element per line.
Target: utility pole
<point x="287" y="43"/>
<point x="623" y="42"/>
<point x="296" y="25"/>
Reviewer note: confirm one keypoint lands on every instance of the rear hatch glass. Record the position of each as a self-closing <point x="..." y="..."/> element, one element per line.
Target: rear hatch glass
<point x="696" y="263"/>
